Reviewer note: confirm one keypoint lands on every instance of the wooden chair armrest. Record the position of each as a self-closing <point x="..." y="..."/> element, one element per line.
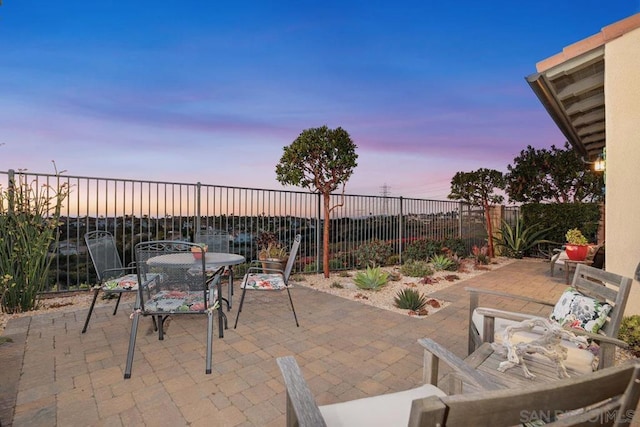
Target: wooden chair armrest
<point x="302" y="409"/>
<point x="478" y="291"/>
<point x="433" y="352"/>
<point x="519" y="317"/>
<point x="502" y="314"/>
<point x="602" y="339"/>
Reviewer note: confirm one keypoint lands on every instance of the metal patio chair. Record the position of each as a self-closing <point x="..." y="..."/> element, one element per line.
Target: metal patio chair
<point x="219" y="241"/>
<point x="175" y="282"/>
<point x="113" y="277"/>
<point x="259" y="278"/>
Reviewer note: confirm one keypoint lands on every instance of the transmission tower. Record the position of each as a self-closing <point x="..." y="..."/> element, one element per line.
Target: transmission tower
<point x="385" y="190"/>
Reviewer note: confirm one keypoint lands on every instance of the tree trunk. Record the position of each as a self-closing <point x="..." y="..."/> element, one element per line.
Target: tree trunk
<point x="487" y="215"/>
<point x="325" y="234"/>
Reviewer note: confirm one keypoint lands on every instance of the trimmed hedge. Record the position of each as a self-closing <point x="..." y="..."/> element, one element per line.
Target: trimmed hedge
<point x="563" y="217"/>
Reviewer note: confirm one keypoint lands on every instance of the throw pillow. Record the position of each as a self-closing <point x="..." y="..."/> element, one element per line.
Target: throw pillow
<point x="579" y="311"/>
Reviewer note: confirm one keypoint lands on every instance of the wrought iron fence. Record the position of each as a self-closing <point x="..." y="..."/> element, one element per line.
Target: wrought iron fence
<point x="135" y="211"/>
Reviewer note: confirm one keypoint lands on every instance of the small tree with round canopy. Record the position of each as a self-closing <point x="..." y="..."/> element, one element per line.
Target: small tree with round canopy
<point x="319" y="159"/>
<point x="478" y="189"/>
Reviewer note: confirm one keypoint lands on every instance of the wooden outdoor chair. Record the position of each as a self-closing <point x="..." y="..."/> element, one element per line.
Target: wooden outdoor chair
<point x="610" y="395"/>
<point x="582" y="305"/>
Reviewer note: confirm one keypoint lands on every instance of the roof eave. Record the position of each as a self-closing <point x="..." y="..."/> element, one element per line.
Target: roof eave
<point x="543" y="90"/>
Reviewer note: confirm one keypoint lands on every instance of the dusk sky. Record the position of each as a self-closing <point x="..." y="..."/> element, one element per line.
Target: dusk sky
<point x="212" y="91"/>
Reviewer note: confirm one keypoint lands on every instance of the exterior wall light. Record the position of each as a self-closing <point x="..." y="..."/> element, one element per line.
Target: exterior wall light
<point x="600" y="164"/>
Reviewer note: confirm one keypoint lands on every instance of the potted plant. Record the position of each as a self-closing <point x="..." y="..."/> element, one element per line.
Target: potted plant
<point x="577" y="245"/>
<point x="271" y="252"/>
<point x="197" y="251"/>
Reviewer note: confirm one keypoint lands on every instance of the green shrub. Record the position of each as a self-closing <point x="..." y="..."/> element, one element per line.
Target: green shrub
<point x="416" y="269"/>
<point x="29" y="219"/>
<point x="456" y="246"/>
<point x="561" y="217"/>
<point x="410" y="299"/>
<point x="373" y="253"/>
<point x="630" y="333"/>
<point x="421" y="249"/>
<point x="371" y="278"/>
<point x="393" y="259"/>
<point x="241" y="269"/>
<point x="335" y="264"/>
<point x="442" y="262"/>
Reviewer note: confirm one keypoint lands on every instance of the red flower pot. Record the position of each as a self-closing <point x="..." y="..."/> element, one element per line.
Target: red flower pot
<point x="576" y="252"/>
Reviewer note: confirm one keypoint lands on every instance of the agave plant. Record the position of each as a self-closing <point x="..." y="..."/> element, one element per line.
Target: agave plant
<point x="371" y="278"/>
<point x="410" y="299"/>
<point x="442" y="262"/>
<point x="517" y="240"/>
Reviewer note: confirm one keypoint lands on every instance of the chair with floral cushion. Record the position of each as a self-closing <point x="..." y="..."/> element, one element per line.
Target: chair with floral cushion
<point x="593" y="306"/>
<point x="263" y="278"/>
<point x="174" y="281"/>
<point x="113" y="277"/>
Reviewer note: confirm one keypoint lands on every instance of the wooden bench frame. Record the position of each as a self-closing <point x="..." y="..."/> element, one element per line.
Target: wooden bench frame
<point x="598" y="284"/>
<point x="615" y="392"/>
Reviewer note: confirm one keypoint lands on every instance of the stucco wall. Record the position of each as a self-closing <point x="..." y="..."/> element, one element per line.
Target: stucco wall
<point x="622" y="100"/>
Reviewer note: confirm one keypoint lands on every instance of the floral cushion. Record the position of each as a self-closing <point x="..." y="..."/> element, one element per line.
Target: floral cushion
<point x="264" y="282"/>
<point x="579" y="311"/>
<point x="176" y="301"/>
<point x="124" y="283"/>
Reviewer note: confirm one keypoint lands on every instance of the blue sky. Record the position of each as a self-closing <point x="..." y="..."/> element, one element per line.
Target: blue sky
<point x="212" y="91"/>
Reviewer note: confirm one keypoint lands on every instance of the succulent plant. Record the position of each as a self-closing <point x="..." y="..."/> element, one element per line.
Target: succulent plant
<point x="270" y="247"/>
<point x="442" y="262"/>
<point x="410" y="299"/>
<point x="416" y="269"/>
<point x="575" y="237"/>
<point x="371" y="278"/>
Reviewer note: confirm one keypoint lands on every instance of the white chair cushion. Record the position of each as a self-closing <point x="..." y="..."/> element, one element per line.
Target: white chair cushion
<point x="578" y="359"/>
<point x="264" y="282"/>
<point x="561" y="259"/>
<point x="391" y="409"/>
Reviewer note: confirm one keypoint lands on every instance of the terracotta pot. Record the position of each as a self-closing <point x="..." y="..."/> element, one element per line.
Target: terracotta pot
<point x="576" y="252"/>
